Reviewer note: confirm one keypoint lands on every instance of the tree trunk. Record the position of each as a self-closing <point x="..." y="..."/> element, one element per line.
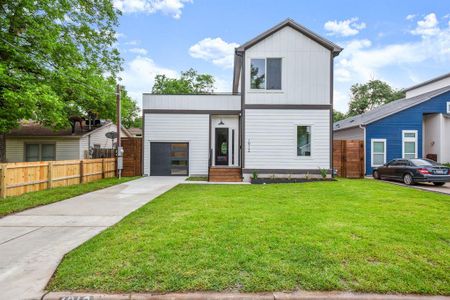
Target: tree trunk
<point x="2" y="147"/>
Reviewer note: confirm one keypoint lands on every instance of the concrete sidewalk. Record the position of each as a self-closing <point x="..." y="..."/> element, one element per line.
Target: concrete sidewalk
<point x="33" y="242"/>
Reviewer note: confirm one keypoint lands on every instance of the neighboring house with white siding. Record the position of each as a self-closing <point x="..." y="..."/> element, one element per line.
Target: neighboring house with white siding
<point x="277" y="120"/>
<point x="34" y="142"/>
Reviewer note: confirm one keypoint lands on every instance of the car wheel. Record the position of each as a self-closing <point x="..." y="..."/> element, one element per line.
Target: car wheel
<point x="407" y="179"/>
<point x="376" y="175"/>
<point x="438" y="183"/>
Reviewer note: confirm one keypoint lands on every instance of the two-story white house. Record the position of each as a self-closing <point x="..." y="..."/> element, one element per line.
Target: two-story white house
<point x="277" y="120"/>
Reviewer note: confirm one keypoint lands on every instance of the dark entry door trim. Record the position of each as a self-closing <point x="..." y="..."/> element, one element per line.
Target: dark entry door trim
<point x="222" y="146"/>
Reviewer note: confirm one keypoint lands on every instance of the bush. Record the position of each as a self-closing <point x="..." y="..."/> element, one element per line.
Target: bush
<point x="323" y="172"/>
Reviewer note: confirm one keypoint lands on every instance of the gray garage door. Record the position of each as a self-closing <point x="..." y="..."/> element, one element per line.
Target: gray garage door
<point x="169" y="159"/>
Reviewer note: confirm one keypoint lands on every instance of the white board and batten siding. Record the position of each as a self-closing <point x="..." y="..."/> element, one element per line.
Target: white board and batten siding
<point x="187" y="128"/>
<point x="66" y="148"/>
<point x="192" y="102"/>
<point x="429" y="87"/>
<point x="305" y="68"/>
<point x="271" y="139"/>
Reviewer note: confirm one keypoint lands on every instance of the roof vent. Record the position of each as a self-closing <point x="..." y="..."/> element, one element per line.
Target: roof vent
<point x="351" y="121"/>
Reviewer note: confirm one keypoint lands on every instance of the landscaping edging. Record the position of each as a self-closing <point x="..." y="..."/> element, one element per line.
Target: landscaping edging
<point x="287" y="180"/>
<point x="240" y="296"/>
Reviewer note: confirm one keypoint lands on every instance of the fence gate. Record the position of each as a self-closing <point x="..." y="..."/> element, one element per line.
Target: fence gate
<point x="348" y="158"/>
<point x="132" y="156"/>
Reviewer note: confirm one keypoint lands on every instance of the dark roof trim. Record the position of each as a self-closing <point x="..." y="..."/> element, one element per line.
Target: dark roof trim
<point x="427" y="82"/>
<point x="291" y="23"/>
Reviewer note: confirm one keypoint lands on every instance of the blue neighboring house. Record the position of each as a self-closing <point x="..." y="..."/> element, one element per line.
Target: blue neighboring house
<point x="417" y="126"/>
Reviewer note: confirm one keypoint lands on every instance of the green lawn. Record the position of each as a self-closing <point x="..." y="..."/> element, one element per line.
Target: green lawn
<point x="18" y="203"/>
<point x="352" y="235"/>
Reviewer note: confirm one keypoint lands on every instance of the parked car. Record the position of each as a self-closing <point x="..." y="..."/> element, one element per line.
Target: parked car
<point x="411" y="171"/>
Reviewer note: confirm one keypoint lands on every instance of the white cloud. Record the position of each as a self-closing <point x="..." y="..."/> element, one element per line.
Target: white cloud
<point x="215" y="50"/>
<point x="140" y="51"/>
<point x="428" y="26"/>
<point x="167" y="7"/>
<point x="399" y="63"/>
<point x="347" y="27"/>
<point x="222" y="85"/>
<point x="410" y="17"/>
<point x="139" y="74"/>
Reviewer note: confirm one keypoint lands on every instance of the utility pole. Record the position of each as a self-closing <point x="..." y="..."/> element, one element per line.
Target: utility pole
<point x="119" y="127"/>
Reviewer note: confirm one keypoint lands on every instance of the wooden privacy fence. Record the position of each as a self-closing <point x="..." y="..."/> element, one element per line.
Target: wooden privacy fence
<point x="348" y="158"/>
<point x="24" y="177"/>
<point x="132" y="156"/>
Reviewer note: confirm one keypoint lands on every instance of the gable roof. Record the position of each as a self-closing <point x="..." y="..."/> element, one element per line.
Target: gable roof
<point x="427" y="82"/>
<point x="387" y="110"/>
<point x="33" y="129"/>
<point x="291" y="23"/>
<point x="335" y="49"/>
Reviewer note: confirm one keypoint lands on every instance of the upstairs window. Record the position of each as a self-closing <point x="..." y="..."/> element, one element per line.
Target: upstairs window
<point x="265" y="74"/>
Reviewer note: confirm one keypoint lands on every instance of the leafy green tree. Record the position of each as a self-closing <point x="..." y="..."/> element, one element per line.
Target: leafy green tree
<point x="53" y="57"/>
<point x="257" y="81"/>
<point x="190" y="82"/>
<point x="338" y="116"/>
<point x="367" y="96"/>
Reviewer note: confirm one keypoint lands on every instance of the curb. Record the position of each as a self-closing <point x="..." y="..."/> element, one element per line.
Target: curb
<point x="240" y="296"/>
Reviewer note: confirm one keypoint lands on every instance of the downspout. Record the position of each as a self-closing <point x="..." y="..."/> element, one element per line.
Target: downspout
<point x="365" y="148"/>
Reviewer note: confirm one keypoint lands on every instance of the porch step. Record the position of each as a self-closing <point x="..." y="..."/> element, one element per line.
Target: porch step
<point x="225" y="174"/>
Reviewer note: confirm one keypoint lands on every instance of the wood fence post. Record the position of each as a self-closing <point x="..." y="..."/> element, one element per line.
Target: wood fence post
<point x="3" y="181"/>
<point x="50" y="175"/>
<point x="81" y="171"/>
<point x="103" y="168"/>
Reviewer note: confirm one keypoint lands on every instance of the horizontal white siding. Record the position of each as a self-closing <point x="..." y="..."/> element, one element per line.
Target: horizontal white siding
<point x="429" y="87"/>
<point x="192" y="102"/>
<point x="305" y="69"/>
<point x="271" y="139"/>
<point x="354" y="133"/>
<point x="191" y="128"/>
<point x="66" y="149"/>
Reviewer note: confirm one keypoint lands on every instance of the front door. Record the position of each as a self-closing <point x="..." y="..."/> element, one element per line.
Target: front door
<point x="221" y="155"/>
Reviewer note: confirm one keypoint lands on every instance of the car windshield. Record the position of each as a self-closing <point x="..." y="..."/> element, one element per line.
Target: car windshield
<point x="424" y="162"/>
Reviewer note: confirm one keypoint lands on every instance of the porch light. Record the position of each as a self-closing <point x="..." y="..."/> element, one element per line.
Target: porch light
<point x="221" y="122"/>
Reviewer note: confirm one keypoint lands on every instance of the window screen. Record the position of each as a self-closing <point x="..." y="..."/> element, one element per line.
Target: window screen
<point x="32" y="152"/>
<point x="47" y="152"/>
<point x="274" y="73"/>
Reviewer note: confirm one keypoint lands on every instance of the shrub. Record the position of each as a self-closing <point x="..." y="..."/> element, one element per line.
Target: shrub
<point x="254" y="175"/>
<point x="323" y="172"/>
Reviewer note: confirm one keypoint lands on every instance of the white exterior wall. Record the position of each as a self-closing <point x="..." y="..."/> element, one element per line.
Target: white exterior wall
<point x="355" y="133"/>
<point x="98" y="137"/>
<point x="446" y="141"/>
<point x="192" y="102"/>
<point x="191" y="128"/>
<point x="66" y="149"/>
<point x="305" y="69"/>
<point x="429" y="87"/>
<point x="271" y="139"/>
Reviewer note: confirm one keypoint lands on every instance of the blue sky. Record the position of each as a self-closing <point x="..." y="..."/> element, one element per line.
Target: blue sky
<point x="401" y="42"/>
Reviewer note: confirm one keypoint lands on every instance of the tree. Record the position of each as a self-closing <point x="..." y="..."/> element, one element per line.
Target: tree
<point x="190" y="82"/>
<point x="365" y="97"/>
<point x="338" y="116"/>
<point x="53" y="57"/>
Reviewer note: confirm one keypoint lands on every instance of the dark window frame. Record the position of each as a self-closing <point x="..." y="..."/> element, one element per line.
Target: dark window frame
<point x="266" y="74"/>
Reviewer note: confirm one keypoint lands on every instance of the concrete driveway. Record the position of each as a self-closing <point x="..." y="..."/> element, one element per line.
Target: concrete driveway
<point x="33" y="242"/>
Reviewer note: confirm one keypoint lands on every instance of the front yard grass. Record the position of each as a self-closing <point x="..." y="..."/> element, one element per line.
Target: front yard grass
<point x="19" y="203"/>
<point x="349" y="235"/>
